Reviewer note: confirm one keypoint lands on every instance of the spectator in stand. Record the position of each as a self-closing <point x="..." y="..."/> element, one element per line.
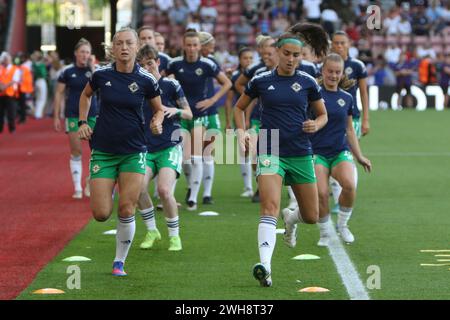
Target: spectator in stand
<point x="26" y="86"/>
<point x="312" y="10"/>
<point x="353" y="32"/>
<point x="420" y="23"/>
<point x="279" y="25"/>
<point x="279" y="8"/>
<point x="179" y="13"/>
<point x="353" y="51"/>
<point x="404" y="26"/>
<point x="392" y="21"/>
<point x="193" y="22"/>
<point x="392" y="54"/>
<point x="381" y="73"/>
<point x="54" y="69"/>
<point x="243" y="31"/>
<point x="426" y="50"/>
<point x="208" y="11"/>
<point x="264" y="23"/>
<point x="251" y="14"/>
<point x="295" y="11"/>
<point x="164" y="5"/>
<point x="403" y="72"/>
<point x="193" y="5"/>
<point x="365" y="52"/>
<point x="265" y="6"/>
<point x="434" y="15"/>
<point x="444" y="78"/>
<point x="330" y="20"/>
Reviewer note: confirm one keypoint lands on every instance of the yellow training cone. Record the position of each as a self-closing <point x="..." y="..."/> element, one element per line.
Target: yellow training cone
<point x="314" y="289"/>
<point x="48" y="291"/>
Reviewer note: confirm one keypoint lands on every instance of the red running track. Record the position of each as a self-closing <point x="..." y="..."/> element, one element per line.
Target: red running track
<point x="38" y="215"/>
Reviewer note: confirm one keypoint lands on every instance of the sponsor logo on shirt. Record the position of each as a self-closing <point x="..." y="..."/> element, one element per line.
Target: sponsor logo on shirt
<point x="181" y="70"/>
<point x="341" y="102"/>
<point x="271" y="87"/>
<point x="199" y="72"/>
<point x="133" y="87"/>
<point x="108" y="84"/>
<point x="74" y="75"/>
<point x="296" y="87"/>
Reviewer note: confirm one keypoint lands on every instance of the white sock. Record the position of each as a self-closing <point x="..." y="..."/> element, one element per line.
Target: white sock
<point x="266" y="239"/>
<point x="335" y="189"/>
<point x="291" y="194"/>
<point x="196" y="177"/>
<point x="208" y="176"/>
<point x="173" y="226"/>
<point x="343" y="216"/>
<point x="324" y="223"/>
<point x="246" y="172"/>
<point x="187" y="169"/>
<point x="148" y="215"/>
<point x="126" y="228"/>
<point x="155" y="193"/>
<point x="76" y="170"/>
<point x="355" y="172"/>
<point x="294" y="217"/>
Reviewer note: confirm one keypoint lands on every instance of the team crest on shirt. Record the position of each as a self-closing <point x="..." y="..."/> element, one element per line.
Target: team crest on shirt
<point x="74" y="75"/>
<point x="88" y="74"/>
<point x="199" y="72"/>
<point x="296" y="87"/>
<point x="348" y="70"/>
<point x="133" y="87"/>
<point x="72" y="124"/>
<point x="341" y="102"/>
<point x="96" y="168"/>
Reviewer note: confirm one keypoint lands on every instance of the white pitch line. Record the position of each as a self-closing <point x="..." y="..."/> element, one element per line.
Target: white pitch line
<point x="408" y="154"/>
<point x="345" y="267"/>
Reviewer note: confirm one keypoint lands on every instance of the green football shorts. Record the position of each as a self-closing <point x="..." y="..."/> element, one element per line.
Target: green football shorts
<point x="293" y="170"/>
<point x="167" y="158"/>
<point x="109" y="165"/>
<point x="330" y="163"/>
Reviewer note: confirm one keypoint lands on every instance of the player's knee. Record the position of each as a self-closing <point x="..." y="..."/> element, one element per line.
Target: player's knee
<point x="311" y="219"/>
<point x="101" y="215"/>
<point x="348" y="186"/>
<point x="126" y="209"/>
<point x="164" y="192"/>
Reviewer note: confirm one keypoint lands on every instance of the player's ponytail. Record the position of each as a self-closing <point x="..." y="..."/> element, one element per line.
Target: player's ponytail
<point x="313" y="35"/>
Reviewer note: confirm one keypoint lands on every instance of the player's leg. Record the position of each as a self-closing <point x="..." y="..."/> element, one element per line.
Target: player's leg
<point x="322" y="174"/>
<point x="270" y="179"/>
<point x="167" y="178"/>
<point x="197" y="164"/>
<point x="344" y="174"/>
<point x="301" y="177"/>
<point x="146" y="208"/>
<point x="76" y="165"/>
<point x="212" y="133"/>
<point x="187" y="154"/>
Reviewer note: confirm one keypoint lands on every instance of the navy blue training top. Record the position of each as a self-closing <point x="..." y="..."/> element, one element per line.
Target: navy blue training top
<point x="75" y="79"/>
<point x="120" y="123"/>
<point x="355" y="69"/>
<point x="193" y="78"/>
<point x="332" y="138"/>
<point x="285" y="104"/>
<point x="171" y="92"/>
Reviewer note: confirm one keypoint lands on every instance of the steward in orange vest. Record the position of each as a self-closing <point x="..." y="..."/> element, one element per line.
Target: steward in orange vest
<point x="9" y="91"/>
